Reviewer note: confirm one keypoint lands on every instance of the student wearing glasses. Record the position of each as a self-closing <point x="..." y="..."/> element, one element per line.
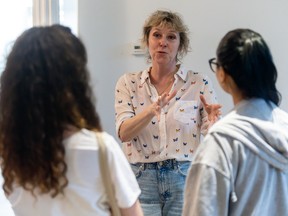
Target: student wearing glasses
<point x="241" y="168"/>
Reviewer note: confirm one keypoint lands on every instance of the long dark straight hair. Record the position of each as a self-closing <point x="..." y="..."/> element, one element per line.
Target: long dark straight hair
<point x="246" y="57"/>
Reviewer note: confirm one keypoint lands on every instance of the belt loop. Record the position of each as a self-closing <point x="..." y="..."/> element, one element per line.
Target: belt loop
<point x="159" y="164"/>
<point x="176" y="164"/>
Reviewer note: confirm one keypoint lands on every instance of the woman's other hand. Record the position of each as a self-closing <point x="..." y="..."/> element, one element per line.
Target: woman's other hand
<point x="213" y="110"/>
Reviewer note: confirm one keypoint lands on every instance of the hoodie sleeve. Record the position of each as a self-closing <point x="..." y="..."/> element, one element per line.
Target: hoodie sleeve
<point x="207" y="189"/>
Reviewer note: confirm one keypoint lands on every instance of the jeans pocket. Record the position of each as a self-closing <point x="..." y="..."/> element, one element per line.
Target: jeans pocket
<point x="137" y="170"/>
<point x="183" y="168"/>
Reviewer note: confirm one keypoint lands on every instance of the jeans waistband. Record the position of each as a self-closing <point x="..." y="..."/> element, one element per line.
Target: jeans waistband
<point x="170" y="164"/>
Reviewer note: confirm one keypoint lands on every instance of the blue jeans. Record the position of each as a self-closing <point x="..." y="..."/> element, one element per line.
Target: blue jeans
<point x="162" y="186"/>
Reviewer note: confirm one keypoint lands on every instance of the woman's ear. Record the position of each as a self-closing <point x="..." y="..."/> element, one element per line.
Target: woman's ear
<point x="223" y="79"/>
<point x="221" y="75"/>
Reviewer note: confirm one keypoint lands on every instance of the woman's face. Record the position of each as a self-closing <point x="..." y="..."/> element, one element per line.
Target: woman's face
<point x="163" y="44"/>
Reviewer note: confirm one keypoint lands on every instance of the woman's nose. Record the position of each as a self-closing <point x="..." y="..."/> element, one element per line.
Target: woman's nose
<point x="163" y="42"/>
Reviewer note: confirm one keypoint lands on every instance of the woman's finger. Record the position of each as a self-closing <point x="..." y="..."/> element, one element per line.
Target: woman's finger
<point x="203" y="100"/>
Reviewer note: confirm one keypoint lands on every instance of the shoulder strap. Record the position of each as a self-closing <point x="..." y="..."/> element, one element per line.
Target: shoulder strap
<point x="106" y="178"/>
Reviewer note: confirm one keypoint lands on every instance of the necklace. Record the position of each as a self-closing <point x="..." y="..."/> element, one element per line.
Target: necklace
<point x="168" y="86"/>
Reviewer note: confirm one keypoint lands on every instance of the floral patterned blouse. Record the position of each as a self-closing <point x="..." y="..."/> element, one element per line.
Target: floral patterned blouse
<point x="182" y="120"/>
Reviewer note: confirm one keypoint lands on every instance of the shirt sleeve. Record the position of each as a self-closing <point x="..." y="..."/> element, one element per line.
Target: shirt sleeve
<point x="127" y="190"/>
<point x="123" y="102"/>
<point x="207" y="186"/>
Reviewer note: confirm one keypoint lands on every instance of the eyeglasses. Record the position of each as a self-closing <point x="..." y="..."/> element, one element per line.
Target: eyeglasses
<point x="213" y="64"/>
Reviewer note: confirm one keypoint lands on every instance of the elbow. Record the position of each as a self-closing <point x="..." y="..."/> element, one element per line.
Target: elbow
<point x="122" y="134"/>
<point x="123" y="137"/>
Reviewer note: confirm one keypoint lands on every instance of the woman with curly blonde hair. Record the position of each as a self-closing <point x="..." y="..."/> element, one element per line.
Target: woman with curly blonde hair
<point x="161" y="114"/>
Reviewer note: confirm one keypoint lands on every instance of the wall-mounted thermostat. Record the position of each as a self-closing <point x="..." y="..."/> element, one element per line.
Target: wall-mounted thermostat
<point x="138" y="49"/>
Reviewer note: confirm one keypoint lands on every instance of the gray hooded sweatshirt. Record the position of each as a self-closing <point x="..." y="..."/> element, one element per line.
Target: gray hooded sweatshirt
<point x="241" y="168"/>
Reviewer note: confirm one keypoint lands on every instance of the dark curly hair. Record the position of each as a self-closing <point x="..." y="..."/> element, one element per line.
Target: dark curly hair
<point x="44" y="89"/>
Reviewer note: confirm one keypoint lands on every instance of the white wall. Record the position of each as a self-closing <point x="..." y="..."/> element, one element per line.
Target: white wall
<point x="108" y="28"/>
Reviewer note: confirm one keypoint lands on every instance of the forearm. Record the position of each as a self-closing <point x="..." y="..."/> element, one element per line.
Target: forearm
<point x="134" y="210"/>
<point x="133" y="126"/>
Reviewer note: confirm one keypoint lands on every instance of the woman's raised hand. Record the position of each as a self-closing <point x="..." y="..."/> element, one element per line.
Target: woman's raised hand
<point x="213" y="110"/>
<point x="161" y="102"/>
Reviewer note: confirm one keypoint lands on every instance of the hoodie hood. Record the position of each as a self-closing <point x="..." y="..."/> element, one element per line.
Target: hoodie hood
<point x="260" y="126"/>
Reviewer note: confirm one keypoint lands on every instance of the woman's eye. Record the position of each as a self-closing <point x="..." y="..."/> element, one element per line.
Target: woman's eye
<point x="157" y="35"/>
<point x="172" y="37"/>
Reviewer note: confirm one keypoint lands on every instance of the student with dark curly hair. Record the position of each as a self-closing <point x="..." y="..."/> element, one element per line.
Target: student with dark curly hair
<point x="48" y="126"/>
